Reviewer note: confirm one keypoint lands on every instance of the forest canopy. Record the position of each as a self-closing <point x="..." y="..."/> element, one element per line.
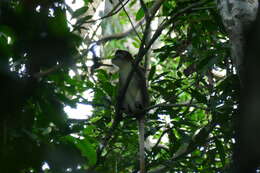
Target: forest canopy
<point x="56" y="54"/>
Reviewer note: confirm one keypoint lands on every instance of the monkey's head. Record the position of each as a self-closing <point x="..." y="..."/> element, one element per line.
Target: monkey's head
<point x="122" y="58"/>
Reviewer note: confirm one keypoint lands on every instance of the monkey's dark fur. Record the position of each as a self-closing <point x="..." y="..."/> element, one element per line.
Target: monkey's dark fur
<point x="136" y="97"/>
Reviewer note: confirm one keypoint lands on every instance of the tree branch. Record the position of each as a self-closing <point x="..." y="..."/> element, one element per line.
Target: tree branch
<point x="146" y="12"/>
<point x="176" y="105"/>
<point x="166" y="23"/>
<point x="161" y="136"/>
<point x="121" y="96"/>
<point x="111" y="13"/>
<point x="143" y="50"/>
<point x="198" y="139"/>
<point x="48" y="71"/>
<point x="118" y="35"/>
<point x="139" y="58"/>
<point x="133" y="27"/>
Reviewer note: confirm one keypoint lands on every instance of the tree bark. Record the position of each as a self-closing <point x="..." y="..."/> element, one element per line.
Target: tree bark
<point x="241" y="19"/>
<point x="237" y="17"/>
<point x="247" y="150"/>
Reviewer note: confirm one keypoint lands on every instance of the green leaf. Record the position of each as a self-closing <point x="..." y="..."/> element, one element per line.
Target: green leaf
<point x="87" y="1"/>
<point x="179" y="74"/>
<point x="88" y="151"/>
<point x="152" y="72"/>
<point x="140" y="14"/>
<point x="86" y="148"/>
<point x="160" y="75"/>
<point x="79" y="12"/>
<point x="136" y="45"/>
<point x="200" y="97"/>
<point x="221" y="151"/>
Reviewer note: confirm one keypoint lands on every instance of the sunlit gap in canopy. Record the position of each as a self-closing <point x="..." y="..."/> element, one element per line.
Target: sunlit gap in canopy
<point x="82" y="110"/>
<point x="74" y="5"/>
<point x="45" y="166"/>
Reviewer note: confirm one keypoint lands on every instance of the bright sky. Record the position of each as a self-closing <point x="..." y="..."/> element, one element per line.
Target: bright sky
<point x="82" y="111"/>
<point x="77" y="4"/>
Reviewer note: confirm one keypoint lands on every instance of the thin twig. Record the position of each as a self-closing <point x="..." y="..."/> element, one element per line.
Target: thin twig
<point x="143" y="50"/>
<point x="133" y="27"/>
<point x="161" y="136"/>
<point x="48" y="71"/>
<point x="111" y="13"/>
<point x="191" y="146"/>
<point x="166" y="23"/>
<point x="176" y="105"/>
<point x="119" y="35"/>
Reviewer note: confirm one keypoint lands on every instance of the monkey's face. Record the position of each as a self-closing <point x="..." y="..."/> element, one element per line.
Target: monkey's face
<point x="118" y="61"/>
<point x="122" y="58"/>
<point x="122" y="53"/>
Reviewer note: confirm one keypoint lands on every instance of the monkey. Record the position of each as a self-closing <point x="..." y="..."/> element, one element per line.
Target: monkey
<point x="136" y="98"/>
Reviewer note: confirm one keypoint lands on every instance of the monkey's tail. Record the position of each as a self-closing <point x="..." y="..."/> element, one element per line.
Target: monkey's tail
<point x="141" y="144"/>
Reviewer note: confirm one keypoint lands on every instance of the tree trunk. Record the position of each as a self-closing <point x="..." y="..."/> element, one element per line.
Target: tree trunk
<point x="237" y="17"/>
